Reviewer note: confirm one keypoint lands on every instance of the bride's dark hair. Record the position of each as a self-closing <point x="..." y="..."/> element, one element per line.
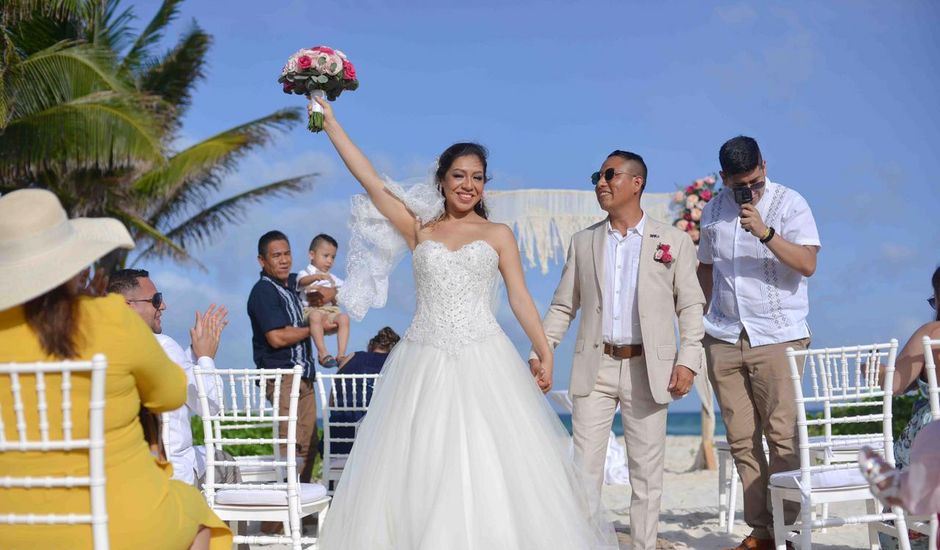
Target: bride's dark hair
<point x="452" y="153"/>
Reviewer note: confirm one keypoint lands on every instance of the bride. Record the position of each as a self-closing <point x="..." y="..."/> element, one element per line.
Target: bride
<point x="459" y="449"/>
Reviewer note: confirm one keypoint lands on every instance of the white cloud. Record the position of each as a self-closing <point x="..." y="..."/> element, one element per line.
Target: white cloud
<point x="737" y="14"/>
<point x="893" y="252"/>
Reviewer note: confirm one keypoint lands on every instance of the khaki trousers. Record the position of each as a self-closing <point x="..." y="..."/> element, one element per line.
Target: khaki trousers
<point x="756" y="397"/>
<point x="306" y="422"/>
<point x="644" y="424"/>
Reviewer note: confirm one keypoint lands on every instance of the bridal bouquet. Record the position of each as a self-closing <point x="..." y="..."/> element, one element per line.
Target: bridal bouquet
<point x="689" y="203"/>
<point x="318" y="72"/>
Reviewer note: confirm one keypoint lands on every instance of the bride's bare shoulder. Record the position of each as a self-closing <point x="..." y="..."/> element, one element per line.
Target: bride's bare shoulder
<point x="499" y="235"/>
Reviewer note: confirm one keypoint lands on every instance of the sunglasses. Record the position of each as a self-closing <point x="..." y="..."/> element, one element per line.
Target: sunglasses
<point x="156" y="300"/>
<point x="607" y="174"/>
<point x="932" y="301"/>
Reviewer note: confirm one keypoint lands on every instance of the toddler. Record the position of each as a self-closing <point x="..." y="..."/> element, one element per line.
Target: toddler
<point x="325" y="319"/>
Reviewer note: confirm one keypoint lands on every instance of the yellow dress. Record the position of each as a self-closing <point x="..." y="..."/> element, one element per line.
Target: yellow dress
<point x="146" y="509"/>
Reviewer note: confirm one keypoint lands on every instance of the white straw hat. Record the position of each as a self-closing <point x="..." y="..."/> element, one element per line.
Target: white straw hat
<point x="40" y="248"/>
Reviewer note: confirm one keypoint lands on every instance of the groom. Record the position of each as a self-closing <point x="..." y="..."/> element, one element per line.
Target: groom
<point x="631" y="276"/>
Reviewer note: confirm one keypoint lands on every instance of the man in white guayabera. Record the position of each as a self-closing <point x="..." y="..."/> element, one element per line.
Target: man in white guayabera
<point x="140" y="293"/>
<point x="757" y="250"/>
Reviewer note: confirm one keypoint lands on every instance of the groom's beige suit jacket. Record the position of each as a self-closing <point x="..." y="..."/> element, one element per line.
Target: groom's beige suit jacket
<point x="664" y="292"/>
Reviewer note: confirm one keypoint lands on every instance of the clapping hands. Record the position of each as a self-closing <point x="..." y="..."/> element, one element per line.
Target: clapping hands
<point x="207" y="331"/>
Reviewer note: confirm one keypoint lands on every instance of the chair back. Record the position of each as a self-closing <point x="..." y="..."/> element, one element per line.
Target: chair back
<point x="843" y="378"/>
<point x="38" y="384"/>
<point x="344" y="399"/>
<point x="242" y="404"/>
<point x="930" y="367"/>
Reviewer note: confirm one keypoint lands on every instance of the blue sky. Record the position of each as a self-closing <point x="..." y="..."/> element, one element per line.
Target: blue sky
<point x="840" y="95"/>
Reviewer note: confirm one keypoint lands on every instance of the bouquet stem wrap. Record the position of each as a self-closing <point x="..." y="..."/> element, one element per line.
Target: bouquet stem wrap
<point x="315" y="122"/>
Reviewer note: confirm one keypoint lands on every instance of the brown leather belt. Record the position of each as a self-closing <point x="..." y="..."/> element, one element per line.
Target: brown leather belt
<point x="623" y="352"/>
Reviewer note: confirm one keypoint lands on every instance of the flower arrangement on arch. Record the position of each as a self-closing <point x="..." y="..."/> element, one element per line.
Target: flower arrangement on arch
<point x="689" y="203"/>
<point x="319" y="71"/>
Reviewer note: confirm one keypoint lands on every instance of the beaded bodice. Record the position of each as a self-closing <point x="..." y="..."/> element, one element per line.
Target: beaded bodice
<point x="454" y="291"/>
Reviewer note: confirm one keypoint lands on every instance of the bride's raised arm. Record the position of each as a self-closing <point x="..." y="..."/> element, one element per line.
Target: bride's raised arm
<point x="361" y="168"/>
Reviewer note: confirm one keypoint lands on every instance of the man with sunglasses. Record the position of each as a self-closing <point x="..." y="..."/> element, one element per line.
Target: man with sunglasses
<point x="632" y="278"/>
<point x="141" y="295"/>
<point x="757" y="250"/>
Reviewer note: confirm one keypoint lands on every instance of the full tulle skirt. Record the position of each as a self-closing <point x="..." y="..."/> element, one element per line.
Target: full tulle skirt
<point x="461" y="451"/>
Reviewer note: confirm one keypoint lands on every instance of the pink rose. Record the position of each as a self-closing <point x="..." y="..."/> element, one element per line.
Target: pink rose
<point x="690" y="189"/>
<point x="706" y="195"/>
<point x="699" y="184"/>
<point x="323" y="49"/>
<point x="682" y="225"/>
<point x="691" y="201"/>
<point x="663" y="247"/>
<point x="696" y="214"/>
<point x="679" y="197"/>
<point x="710" y="180"/>
<point x="304" y="62"/>
<point x="667" y="257"/>
<point x="695" y="235"/>
<point x="349" y="72"/>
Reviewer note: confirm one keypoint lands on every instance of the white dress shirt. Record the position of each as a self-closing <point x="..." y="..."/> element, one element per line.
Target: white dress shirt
<point x="752" y="289"/>
<point x="188" y="462"/>
<point x="621" y="322"/>
<point x="311" y="269"/>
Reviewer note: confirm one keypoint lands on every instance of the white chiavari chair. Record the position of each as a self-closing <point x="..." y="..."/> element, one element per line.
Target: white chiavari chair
<point x="242" y="405"/>
<point x="840" y="378"/>
<point x="344" y="401"/>
<point x="43" y="437"/>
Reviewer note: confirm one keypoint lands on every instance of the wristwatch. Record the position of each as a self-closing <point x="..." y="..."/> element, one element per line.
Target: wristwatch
<point x="769" y="235"/>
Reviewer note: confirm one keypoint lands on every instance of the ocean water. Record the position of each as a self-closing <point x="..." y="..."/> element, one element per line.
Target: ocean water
<point x="677" y="423"/>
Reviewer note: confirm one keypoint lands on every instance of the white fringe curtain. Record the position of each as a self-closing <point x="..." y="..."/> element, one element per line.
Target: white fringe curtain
<point x="545" y="219"/>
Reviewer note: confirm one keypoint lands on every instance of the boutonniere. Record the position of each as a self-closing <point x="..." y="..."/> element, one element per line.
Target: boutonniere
<point x="662" y="254"/>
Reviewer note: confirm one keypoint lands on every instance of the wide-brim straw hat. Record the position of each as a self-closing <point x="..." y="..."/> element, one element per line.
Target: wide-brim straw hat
<point x="41" y="248"/>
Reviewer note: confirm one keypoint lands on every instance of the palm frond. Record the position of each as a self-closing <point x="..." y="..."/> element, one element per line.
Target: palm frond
<point x="151" y="35"/>
<point x="102" y="130"/>
<point x="189" y="175"/>
<point x="174" y="75"/>
<point x="142" y="232"/>
<point x="105" y="26"/>
<point x="57" y="75"/>
<point x="206" y="224"/>
<point x="39" y="32"/>
<point x="14" y="11"/>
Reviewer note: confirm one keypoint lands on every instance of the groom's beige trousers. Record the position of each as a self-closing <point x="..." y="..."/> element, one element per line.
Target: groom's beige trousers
<point x="624" y="381"/>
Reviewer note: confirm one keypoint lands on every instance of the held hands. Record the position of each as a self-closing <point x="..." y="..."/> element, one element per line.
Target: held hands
<point x="751" y="221"/>
<point x="207" y="331"/>
<point x="680" y="383"/>
<point x="542" y="370"/>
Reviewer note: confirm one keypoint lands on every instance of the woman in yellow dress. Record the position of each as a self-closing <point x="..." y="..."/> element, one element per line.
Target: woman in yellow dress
<point x="43" y="317"/>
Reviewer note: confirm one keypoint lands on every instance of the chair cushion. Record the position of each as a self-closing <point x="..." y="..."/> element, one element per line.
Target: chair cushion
<point x="309" y="492"/>
<point x="831" y="479"/>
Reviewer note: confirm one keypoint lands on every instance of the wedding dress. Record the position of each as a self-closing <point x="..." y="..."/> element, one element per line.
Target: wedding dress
<point x="460" y="450"/>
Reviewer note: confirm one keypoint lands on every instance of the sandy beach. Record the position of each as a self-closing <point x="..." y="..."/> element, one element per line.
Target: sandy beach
<point x="689" y="516"/>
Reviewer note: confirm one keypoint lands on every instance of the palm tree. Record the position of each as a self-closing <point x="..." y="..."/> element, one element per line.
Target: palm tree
<point x="161" y="197"/>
